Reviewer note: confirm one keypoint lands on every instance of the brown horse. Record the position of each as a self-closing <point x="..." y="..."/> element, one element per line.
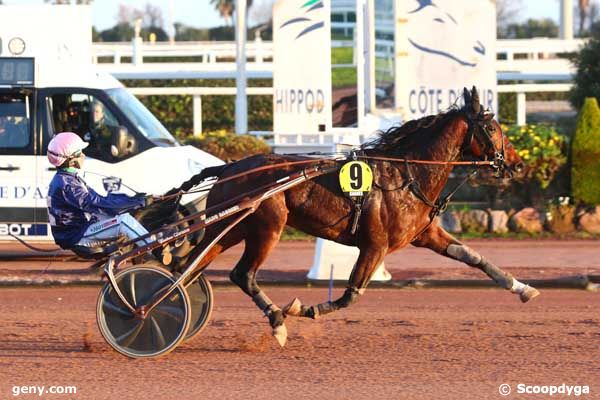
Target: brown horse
<point x="396" y="213"/>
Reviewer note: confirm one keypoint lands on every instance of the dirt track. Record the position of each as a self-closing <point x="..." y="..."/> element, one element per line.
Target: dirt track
<point x="394" y="344"/>
<point x="525" y="259"/>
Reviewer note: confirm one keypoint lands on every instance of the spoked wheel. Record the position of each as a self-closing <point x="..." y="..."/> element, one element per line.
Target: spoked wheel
<point x="201" y="299"/>
<point x="161" y="330"/>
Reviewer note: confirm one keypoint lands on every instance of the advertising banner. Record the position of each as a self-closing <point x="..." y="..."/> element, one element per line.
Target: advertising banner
<point x="301" y="66"/>
<point x="441" y="47"/>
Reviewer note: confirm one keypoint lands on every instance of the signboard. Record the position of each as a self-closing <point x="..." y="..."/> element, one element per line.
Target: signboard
<point x="441" y="47"/>
<point x="301" y="66"/>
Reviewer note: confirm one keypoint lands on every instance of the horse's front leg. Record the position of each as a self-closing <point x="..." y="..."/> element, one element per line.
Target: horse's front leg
<point x="440" y="241"/>
<point x="368" y="260"/>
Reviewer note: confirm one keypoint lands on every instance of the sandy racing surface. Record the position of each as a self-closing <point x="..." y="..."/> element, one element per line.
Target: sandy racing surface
<point x="526" y="259"/>
<point x="393" y="344"/>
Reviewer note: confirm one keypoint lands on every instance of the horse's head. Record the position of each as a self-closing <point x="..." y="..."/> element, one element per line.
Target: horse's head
<point x="485" y="139"/>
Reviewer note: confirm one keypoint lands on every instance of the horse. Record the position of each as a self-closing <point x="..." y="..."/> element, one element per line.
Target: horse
<point x="398" y="211"/>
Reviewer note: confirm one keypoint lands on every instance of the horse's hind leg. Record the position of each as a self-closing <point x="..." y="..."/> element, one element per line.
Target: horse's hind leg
<point x="368" y="260"/>
<point x="440" y="241"/>
<point x="262" y="234"/>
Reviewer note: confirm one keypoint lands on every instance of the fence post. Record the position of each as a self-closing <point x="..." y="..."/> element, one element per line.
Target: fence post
<point x="138" y="56"/>
<point x="137" y="52"/>
<point x="197" y="114"/>
<point x="258" y="48"/>
<point x="521" y="108"/>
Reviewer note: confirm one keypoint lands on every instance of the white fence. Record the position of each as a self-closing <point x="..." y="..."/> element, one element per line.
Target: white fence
<point x="197" y="93"/>
<point x="539" y="59"/>
<point x="208" y="52"/>
<point x="522" y="60"/>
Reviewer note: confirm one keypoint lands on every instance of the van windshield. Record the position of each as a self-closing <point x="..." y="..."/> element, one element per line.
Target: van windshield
<point x="143" y="119"/>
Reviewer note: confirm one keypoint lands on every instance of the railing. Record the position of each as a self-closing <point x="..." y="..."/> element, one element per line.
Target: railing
<point x="518" y="60"/>
<point x="523" y="88"/>
<point x="538" y="59"/>
<point x="323" y="139"/>
<point x="197" y="93"/>
<point x="209" y="52"/>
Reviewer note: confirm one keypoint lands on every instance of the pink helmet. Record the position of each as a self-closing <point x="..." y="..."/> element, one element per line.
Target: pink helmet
<point x="63" y="146"/>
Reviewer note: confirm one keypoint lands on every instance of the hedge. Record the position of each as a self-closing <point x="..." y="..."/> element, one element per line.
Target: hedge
<point x="585" y="155"/>
<point x="218" y="112"/>
<point x="228" y="146"/>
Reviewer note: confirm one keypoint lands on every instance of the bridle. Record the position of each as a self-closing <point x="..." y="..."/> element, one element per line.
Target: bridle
<point x="482" y="129"/>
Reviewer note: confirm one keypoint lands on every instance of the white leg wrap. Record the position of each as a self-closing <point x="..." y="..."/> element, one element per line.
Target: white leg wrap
<point x="524" y="291"/>
<point x="517" y="287"/>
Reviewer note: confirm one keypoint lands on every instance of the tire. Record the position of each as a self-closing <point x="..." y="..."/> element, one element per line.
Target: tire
<point x="201" y="300"/>
<point x="162" y="329"/>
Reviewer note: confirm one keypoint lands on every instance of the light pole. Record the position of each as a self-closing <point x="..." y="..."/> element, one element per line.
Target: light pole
<point x="566" y="19"/>
<point x="241" y="102"/>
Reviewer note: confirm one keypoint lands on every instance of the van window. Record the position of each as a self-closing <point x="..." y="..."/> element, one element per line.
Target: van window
<point x="139" y="115"/>
<point x="88" y="117"/>
<point x="14" y="121"/>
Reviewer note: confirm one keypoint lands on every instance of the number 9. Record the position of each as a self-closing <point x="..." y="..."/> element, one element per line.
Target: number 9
<point x="356" y="178"/>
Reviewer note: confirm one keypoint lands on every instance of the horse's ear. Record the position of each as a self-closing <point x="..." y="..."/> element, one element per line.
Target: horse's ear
<point x="467" y="97"/>
<point x="475" y="100"/>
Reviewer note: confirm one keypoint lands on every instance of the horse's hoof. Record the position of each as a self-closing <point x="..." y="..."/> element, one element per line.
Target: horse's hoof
<point x="293" y="308"/>
<point x="528" y="293"/>
<point x="280" y="333"/>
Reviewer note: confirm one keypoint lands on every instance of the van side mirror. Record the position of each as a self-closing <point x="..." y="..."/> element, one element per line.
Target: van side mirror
<point x="123" y="144"/>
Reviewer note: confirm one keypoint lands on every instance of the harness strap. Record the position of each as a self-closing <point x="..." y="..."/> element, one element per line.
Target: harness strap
<point x="442" y="204"/>
<point x="358" y="202"/>
<point x="357" y="214"/>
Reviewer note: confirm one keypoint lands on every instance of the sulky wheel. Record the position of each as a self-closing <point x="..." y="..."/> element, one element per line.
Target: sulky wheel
<point x="201" y="299"/>
<point x="163" y="328"/>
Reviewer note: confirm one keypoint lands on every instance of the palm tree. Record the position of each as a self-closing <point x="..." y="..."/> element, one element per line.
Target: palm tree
<point x="226" y="8"/>
<point x="584" y="7"/>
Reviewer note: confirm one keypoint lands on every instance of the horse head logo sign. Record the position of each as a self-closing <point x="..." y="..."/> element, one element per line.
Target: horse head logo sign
<point x="444" y="36"/>
<point x="306" y="23"/>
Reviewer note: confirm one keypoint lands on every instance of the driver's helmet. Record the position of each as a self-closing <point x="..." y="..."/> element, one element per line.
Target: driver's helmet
<point x="64" y="146"/>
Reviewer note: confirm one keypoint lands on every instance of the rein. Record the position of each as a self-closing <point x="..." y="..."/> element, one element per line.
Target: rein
<point x="203" y="187"/>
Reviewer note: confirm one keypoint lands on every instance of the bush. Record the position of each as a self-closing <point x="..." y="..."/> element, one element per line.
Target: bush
<point x="228" y="146"/>
<point x="507" y="107"/>
<point x="587" y="77"/>
<point x="218" y="112"/>
<point x="542" y="149"/>
<point x="585" y="155"/>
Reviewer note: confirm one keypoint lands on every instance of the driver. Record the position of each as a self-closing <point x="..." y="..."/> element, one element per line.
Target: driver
<point x="101" y="133"/>
<point x="80" y="216"/>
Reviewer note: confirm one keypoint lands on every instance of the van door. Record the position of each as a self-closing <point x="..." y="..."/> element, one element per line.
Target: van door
<point x="19" y="186"/>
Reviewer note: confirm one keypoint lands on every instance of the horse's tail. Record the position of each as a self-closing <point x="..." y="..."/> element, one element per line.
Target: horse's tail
<point x="155" y="215"/>
<point x="196" y="179"/>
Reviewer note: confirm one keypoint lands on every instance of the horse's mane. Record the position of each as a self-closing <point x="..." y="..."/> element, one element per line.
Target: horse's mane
<point x="402" y="139"/>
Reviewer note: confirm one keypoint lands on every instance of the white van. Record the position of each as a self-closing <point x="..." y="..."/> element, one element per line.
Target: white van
<point x="48" y="85"/>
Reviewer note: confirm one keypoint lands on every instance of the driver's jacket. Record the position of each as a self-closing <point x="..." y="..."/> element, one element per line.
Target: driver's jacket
<point x="73" y="207"/>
